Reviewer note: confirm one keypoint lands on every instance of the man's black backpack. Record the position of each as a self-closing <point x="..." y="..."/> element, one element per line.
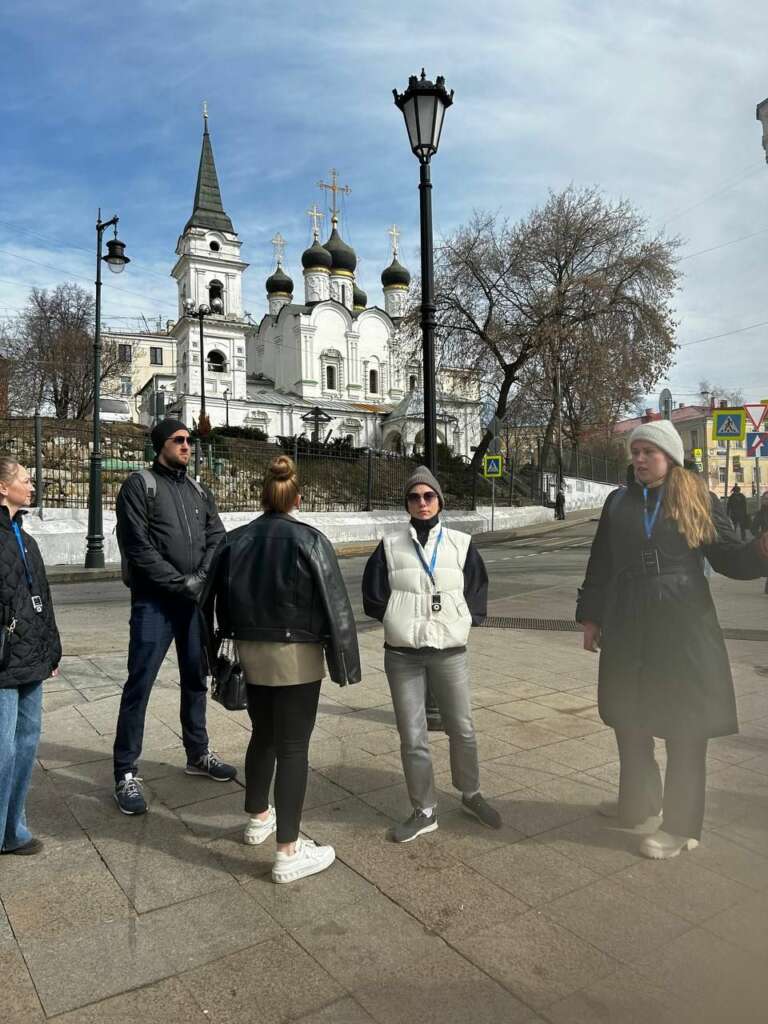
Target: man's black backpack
<point x="150" y="486"/>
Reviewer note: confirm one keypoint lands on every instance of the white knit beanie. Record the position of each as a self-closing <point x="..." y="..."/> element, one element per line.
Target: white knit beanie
<point x="663" y="435"/>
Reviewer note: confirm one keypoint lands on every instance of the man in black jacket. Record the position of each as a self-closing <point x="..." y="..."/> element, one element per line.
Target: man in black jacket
<point x="168" y="535"/>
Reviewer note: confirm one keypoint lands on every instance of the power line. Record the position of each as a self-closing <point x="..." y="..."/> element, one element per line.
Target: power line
<point x="727" y="334"/>
<point x="719" y="191"/>
<point x="722" y="245"/>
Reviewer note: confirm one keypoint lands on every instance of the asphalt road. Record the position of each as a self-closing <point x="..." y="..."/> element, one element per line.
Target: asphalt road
<point x="534" y="576"/>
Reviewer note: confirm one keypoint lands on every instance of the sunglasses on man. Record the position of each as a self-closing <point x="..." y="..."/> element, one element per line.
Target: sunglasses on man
<point x="427" y="497"/>
<point x="179" y="440"/>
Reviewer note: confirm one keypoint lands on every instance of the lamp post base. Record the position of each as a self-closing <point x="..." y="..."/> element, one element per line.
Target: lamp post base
<point x="94" y="559"/>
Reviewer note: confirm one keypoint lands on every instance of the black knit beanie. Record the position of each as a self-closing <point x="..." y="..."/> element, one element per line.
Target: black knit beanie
<point x="423" y="476"/>
<point x="163" y="430"/>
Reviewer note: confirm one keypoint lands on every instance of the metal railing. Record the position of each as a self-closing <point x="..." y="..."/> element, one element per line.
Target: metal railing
<point x="334" y="478"/>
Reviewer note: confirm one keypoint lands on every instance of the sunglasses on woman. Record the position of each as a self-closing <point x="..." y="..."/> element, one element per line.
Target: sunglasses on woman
<point x="427" y="497"/>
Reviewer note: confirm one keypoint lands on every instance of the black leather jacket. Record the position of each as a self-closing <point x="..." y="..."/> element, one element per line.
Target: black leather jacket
<point x="278" y="580"/>
<point x="175" y="534"/>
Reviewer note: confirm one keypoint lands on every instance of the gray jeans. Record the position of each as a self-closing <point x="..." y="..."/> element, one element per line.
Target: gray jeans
<point x="447" y="673"/>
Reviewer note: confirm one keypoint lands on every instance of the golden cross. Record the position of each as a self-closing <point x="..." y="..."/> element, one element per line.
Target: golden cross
<point x="279" y="243"/>
<point x="333" y="188"/>
<point x="315" y="216"/>
<point x="394" y="231"/>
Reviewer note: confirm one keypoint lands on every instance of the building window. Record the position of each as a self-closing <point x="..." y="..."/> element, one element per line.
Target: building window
<point x="721" y="473"/>
<point x="217" y="362"/>
<point x="125" y="386"/>
<point x="124" y="353"/>
<point x="330" y="378"/>
<point x="156" y="356"/>
<point x="216" y="292"/>
<point x="412" y="382"/>
<point x="694" y="439"/>
<point x="373" y="381"/>
<point x="214" y="246"/>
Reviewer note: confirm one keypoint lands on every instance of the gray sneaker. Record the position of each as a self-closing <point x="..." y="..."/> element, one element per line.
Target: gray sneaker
<point x="415" y="826"/>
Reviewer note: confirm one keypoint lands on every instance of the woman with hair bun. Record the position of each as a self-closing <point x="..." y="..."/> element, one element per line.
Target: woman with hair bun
<point x="645" y="605"/>
<point x="279" y="593"/>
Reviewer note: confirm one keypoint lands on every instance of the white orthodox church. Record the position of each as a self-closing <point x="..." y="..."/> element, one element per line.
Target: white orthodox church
<point x="331" y="350"/>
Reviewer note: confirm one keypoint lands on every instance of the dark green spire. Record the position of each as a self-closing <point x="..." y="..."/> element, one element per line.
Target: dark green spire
<point x="208" y="211"/>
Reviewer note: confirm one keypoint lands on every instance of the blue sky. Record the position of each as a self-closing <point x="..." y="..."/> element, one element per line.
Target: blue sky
<point x="654" y="102"/>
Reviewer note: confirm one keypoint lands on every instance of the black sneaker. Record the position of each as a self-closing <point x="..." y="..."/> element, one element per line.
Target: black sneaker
<point x="415" y="826"/>
<point x="479" y="808"/>
<point x="129" y="795"/>
<point x="210" y="765"/>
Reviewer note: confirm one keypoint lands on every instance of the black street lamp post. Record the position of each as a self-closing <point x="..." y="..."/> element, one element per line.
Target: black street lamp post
<point x="116" y="260"/>
<point x="423" y="105"/>
<point x="226" y="406"/>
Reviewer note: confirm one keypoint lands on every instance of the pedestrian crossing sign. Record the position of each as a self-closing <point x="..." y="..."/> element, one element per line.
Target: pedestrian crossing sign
<point x="729" y="425"/>
<point x="493" y="466"/>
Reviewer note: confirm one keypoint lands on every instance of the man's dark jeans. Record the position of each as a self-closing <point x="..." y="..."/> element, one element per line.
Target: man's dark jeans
<point x="155" y="621"/>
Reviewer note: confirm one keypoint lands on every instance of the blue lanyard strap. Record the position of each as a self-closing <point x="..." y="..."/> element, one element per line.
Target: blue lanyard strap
<point x="649" y="521"/>
<point x="22" y="549"/>
<point x="429" y="569"/>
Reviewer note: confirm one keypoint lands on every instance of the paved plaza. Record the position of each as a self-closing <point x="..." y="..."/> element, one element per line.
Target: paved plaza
<point x="170" y="918"/>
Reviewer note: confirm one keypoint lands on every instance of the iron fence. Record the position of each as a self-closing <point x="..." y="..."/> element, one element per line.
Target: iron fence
<point x="335" y="478"/>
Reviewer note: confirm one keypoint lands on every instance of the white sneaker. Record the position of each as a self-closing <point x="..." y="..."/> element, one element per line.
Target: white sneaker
<point x="662" y="845"/>
<point x="256" y="831"/>
<point x="308" y="859"/>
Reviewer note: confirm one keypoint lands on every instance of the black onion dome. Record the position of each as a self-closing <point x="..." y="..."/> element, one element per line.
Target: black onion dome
<point x="395" y="273"/>
<point x="316" y="256"/>
<point x="359" y="298"/>
<point x="342" y="255"/>
<point x="279" y="282"/>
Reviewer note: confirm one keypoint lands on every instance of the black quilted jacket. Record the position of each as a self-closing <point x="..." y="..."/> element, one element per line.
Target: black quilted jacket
<point x="35" y="644"/>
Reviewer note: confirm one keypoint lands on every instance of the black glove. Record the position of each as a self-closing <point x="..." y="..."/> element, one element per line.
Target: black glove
<point x="194" y="584"/>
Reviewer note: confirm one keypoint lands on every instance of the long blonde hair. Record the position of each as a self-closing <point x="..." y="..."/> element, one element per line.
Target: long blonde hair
<point x="281" y="486"/>
<point x="686" y="500"/>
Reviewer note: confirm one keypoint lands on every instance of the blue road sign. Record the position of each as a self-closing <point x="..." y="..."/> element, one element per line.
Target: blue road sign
<point x="757" y="444"/>
<point x="492" y="466"/>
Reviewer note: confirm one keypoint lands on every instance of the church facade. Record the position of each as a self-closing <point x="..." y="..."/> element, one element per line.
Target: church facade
<point x="328" y="349"/>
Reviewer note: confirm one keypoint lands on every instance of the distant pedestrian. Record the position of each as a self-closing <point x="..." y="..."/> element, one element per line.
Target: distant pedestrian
<point x="168" y="529"/>
<point x="32" y="653"/>
<point x="560" y="505"/>
<point x="664" y="669"/>
<point x="760" y="523"/>
<point x="279" y="592"/>
<point x="737" y="510"/>
<point x="428" y="585"/>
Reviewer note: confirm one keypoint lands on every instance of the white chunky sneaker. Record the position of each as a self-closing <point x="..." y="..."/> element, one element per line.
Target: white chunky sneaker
<point x="257" y="830"/>
<point x="662" y="845"/>
<point x="308" y="859"/>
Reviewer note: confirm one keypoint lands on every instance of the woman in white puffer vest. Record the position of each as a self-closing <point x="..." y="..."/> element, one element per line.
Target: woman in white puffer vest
<point x="428" y="585"/>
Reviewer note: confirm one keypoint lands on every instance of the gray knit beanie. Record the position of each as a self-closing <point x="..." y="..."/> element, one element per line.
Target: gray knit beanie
<point x="423" y="476"/>
<point x="664" y="436"/>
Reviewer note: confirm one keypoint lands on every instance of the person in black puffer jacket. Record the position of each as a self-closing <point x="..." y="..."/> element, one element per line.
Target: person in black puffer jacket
<point x="167" y="541"/>
<point x="33" y="654"/>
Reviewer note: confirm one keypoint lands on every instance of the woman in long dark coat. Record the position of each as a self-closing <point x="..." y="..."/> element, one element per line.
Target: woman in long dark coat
<point x="645" y="604"/>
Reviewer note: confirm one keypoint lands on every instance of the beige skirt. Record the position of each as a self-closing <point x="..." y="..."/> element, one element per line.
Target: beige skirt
<point x="276" y="664"/>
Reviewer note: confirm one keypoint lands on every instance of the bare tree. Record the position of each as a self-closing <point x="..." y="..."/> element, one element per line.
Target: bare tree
<point x="716" y="393"/>
<point x="577" y="283"/>
<point x="50" y="346"/>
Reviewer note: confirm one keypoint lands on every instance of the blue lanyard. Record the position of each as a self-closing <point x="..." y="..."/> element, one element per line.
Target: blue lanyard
<point x="20" y="542"/>
<point x="649" y="521"/>
<point x="429" y="569"/>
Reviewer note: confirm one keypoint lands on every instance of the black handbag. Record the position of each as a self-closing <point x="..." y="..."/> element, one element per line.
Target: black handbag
<point x="228" y="682"/>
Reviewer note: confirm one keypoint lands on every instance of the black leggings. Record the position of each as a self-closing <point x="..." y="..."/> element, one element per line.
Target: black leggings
<point x="282" y="719"/>
<point x="641" y="794"/>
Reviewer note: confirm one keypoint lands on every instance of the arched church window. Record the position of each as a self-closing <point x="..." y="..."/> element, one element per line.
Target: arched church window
<point x="216" y="294"/>
<point x="373" y="381"/>
<point x="412" y="382"/>
<point x="330" y="378"/>
<point x="217" y="362"/>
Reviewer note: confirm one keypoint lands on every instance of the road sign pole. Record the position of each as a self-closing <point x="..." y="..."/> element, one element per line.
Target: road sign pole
<point x="493" y="501"/>
<point x="727" y="461"/>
